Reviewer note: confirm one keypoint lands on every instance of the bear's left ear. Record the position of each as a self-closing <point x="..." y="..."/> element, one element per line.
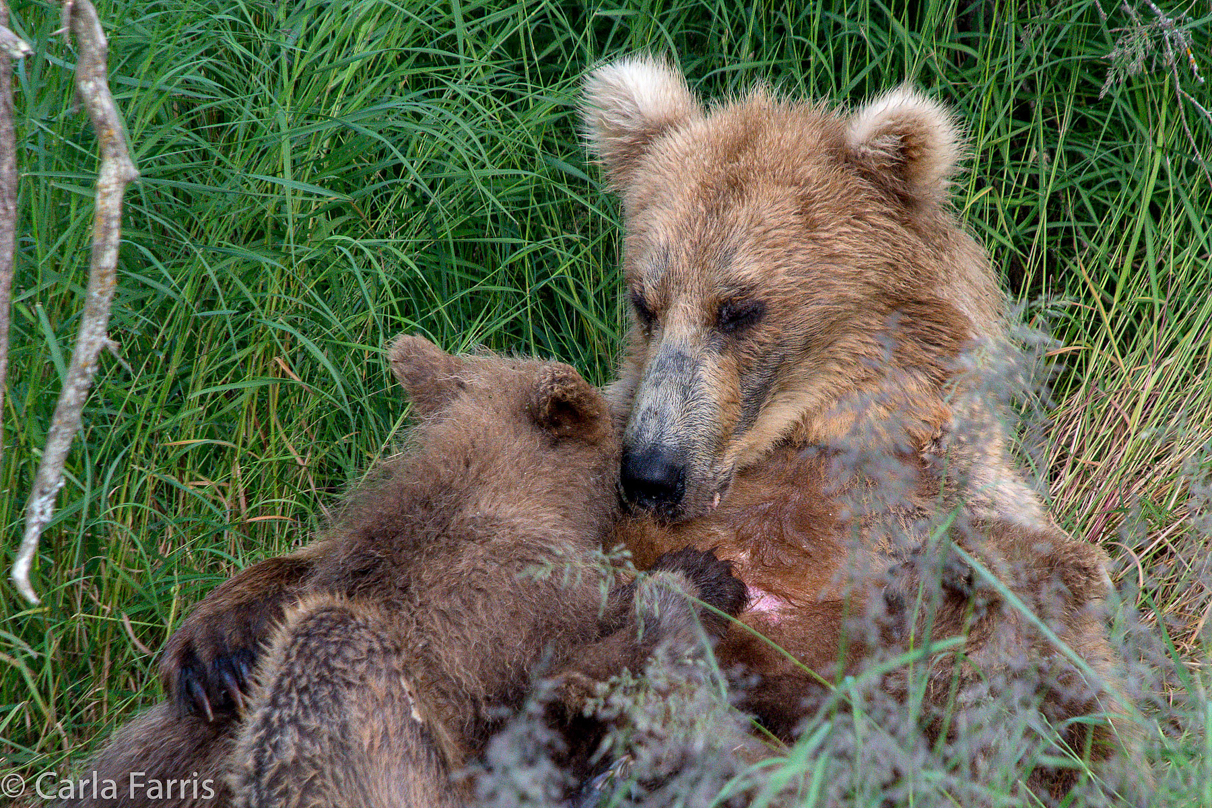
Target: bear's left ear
<point x="428" y="374"/>
<point x="566" y="406"/>
<point x="907" y="142"/>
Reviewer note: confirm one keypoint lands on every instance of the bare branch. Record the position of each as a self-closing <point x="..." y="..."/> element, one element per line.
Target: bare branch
<point x="10" y="48"/>
<point x="11" y="44"/>
<point x="116" y="171"/>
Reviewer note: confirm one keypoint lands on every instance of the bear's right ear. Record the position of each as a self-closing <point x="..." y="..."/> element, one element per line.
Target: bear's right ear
<point x="629" y="103"/>
<point x="906" y="142"/>
<point x="567" y="406"/>
<point x="428" y="374"/>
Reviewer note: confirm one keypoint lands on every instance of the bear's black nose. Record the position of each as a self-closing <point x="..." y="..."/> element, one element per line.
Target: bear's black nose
<point x="653" y="478"/>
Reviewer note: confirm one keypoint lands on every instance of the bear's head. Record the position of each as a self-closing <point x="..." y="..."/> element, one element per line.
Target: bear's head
<point x="522" y="432"/>
<point x="795" y="275"/>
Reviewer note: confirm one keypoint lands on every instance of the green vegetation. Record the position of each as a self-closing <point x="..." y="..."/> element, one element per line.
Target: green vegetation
<point x="318" y="177"/>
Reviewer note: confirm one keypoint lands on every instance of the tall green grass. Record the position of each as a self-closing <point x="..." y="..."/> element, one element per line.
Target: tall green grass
<point x="320" y="176"/>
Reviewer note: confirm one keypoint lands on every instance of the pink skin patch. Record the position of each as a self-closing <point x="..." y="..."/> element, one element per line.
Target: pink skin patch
<point x="766" y="604"/>
<point x="771" y="607"/>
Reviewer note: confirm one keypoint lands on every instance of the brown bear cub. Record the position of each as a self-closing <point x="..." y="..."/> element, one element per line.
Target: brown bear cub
<point x="462" y="573"/>
<point x="805" y="390"/>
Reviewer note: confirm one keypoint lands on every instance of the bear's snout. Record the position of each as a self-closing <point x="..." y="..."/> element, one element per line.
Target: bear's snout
<point x="653" y="478"/>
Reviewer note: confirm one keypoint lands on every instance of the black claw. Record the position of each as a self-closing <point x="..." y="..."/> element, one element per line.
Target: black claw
<point x="187" y="680"/>
<point x="243" y="660"/>
<point x="197" y="694"/>
<point x="228" y="677"/>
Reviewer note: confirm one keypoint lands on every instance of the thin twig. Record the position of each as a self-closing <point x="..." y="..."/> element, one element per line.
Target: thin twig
<point x="116" y="171"/>
<point x="1173" y="39"/>
<point x="1137" y="41"/>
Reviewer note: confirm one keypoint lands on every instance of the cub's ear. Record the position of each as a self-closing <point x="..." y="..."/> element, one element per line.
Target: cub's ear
<point x="629" y="103"/>
<point x="907" y="142"/>
<point x="566" y="406"/>
<point x="428" y="374"/>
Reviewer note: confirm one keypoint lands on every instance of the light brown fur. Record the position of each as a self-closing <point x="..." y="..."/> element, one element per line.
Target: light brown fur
<point x="801" y="393"/>
<point x="779" y="202"/>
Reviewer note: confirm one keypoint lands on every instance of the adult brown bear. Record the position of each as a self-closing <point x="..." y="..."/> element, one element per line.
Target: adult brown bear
<point x="804" y="391"/>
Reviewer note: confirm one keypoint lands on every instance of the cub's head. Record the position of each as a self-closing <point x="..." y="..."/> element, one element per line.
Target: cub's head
<point x="794" y="274"/>
<point x="512" y="432"/>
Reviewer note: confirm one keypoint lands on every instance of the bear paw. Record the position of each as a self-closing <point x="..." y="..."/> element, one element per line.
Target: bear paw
<point x="208" y="664"/>
<point x="713" y="581"/>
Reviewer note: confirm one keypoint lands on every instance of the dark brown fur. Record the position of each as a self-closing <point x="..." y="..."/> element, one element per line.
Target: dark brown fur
<point x="417" y="625"/>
